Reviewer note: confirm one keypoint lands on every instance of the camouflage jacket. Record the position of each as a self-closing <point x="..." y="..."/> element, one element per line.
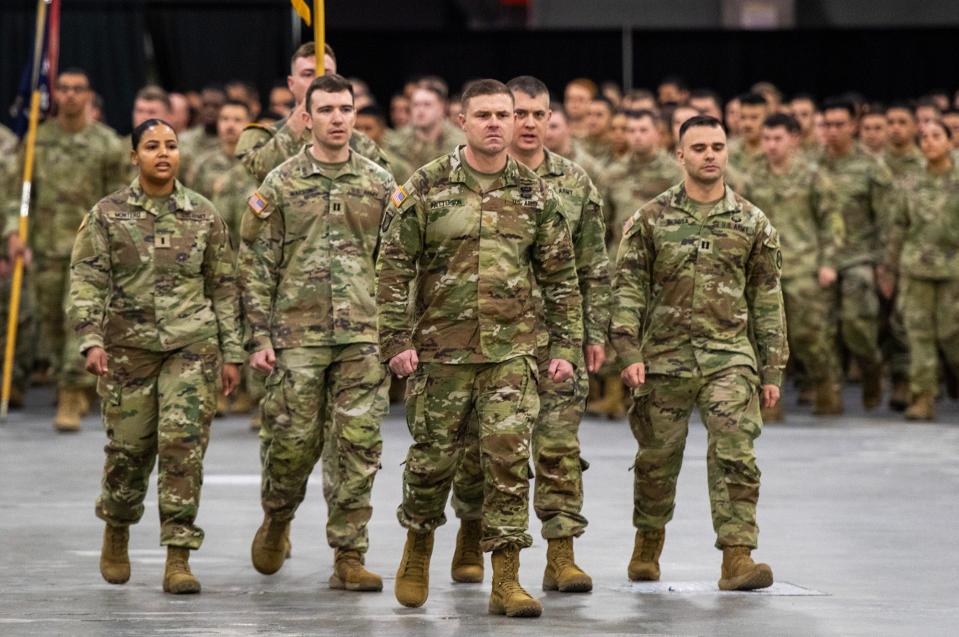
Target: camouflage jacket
<point x="308" y="253"/>
<point x="193" y="144"/>
<point x="469" y="255"/>
<point x="154" y="279"/>
<point x="227" y="183"/>
<point x="688" y="292"/>
<point x="582" y="207"/>
<point x="801" y="204"/>
<point x="905" y="167"/>
<point x="578" y="155"/>
<point x="631" y="182"/>
<point x="743" y="160"/>
<point x="924" y="241"/>
<point x="419" y="152"/>
<point x="263" y="148"/>
<point x="72" y="172"/>
<point x="868" y="201"/>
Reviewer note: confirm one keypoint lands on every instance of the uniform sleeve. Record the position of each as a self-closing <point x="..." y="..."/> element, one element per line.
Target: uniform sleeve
<point x="89" y="281"/>
<point x="116" y="168"/>
<point x="830" y="227"/>
<point x="219" y="283"/>
<point x="631" y="287"/>
<point x="366" y="147"/>
<point x="886" y="200"/>
<point x="765" y="301"/>
<point x="261" y="152"/>
<point x="401" y="243"/>
<point x="896" y="237"/>
<point x="554" y="266"/>
<point x="592" y="269"/>
<point x="261" y="252"/>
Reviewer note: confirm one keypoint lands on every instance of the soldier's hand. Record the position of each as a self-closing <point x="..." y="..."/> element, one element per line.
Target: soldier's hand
<point x="827" y="276"/>
<point x="560" y="370"/>
<point x="263" y="360"/>
<point x="595" y="357"/>
<point x="404" y="363"/>
<point x="16" y="248"/>
<point x="97" y="361"/>
<point x="770" y="396"/>
<point x="230" y="375"/>
<point x="634" y="375"/>
<point x="297" y="120"/>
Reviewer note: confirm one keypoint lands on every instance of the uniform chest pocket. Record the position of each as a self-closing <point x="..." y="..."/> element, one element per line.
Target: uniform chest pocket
<point x="184" y="247"/>
<point x="129" y="244"/>
<point x="517" y="222"/>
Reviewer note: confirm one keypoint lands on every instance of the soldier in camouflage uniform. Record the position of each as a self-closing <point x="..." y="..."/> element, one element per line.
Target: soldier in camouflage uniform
<point x="430" y="133"/>
<point x="471" y="231"/>
<point x="923" y="250"/>
<point x="745" y="152"/>
<point x="868" y="201"/>
<point x="77" y="163"/>
<point x="698" y="271"/>
<point x="154" y="306"/>
<point x="307" y="275"/>
<point x="558" y="499"/>
<point x="202" y="138"/>
<point x="801" y="204"/>
<point x="263" y="148"/>
<point x="559" y="140"/>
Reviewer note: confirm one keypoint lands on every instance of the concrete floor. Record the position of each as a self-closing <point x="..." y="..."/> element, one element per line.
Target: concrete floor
<point x="858" y="520"/>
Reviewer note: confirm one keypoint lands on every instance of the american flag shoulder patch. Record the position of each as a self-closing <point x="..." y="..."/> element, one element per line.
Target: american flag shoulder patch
<point x="257" y="204"/>
<point x="399" y="196"/>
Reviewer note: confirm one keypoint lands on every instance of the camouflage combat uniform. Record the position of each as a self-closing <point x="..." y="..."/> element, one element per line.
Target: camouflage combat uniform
<point x="307" y="275"/>
<point x="742" y="161"/>
<point x="558" y="466"/>
<point x="473" y="255"/>
<point x="154" y="284"/>
<point x="690" y="284"/>
<point x="801" y="204"/>
<point x="924" y="248"/>
<point x="72" y="171"/>
<point x="195" y="143"/>
<point x="419" y="152"/>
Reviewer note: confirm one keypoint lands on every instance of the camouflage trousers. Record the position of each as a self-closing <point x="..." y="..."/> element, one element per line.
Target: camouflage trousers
<point x="314" y="395"/>
<point x="728" y="403"/>
<point x="57" y="345"/>
<point x="158" y="405"/>
<point x="811" y="327"/>
<point x="557" y="464"/>
<point x="859" y="313"/>
<point x="443" y="402"/>
<point x="893" y="340"/>
<point x="930" y="309"/>
<point x="26" y="330"/>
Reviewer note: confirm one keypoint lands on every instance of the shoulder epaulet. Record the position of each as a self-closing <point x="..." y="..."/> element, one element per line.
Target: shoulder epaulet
<point x="257" y="125"/>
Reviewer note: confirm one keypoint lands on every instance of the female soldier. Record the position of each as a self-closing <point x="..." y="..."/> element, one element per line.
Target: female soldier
<point x="154" y="303"/>
<point x="923" y="249"/>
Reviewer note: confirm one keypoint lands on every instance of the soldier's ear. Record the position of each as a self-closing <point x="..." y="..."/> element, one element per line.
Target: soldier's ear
<point x="134" y="159"/>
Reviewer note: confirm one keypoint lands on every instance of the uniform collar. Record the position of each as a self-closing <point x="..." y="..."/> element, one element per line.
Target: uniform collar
<point x="552" y="165"/>
<point x="459" y="173"/>
<point x="680" y="200"/>
<point x="179" y="198"/>
<point x="310" y="166"/>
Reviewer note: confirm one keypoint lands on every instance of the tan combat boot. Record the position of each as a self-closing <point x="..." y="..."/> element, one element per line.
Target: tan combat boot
<point x="871" y="386"/>
<point x="256" y="420"/>
<point x="70" y="404"/>
<point x="774" y="413"/>
<point x="467" y="567"/>
<point x="350" y="574"/>
<point x="243" y="403"/>
<point x="508" y="597"/>
<point x="828" y="400"/>
<point x="561" y="572"/>
<point x="270" y="545"/>
<point x="413" y="576"/>
<point x="114" y="560"/>
<point x="740" y="573"/>
<point x="923" y="407"/>
<point x="222" y="405"/>
<point x="647" y="547"/>
<point x="899" y="398"/>
<point x="177" y="578"/>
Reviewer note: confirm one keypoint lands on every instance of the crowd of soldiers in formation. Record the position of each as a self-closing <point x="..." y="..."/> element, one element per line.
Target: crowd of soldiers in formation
<point x="468" y="248"/>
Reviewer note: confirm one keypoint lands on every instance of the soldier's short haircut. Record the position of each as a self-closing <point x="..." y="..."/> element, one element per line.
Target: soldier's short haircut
<point x="602" y="99"/>
<point x="215" y="88"/>
<point x="586" y="83"/>
<point x="643" y="112"/>
<point x="928" y="102"/>
<point x="233" y="102"/>
<point x="901" y="106"/>
<point x="873" y="109"/>
<point x="941" y="124"/>
<point x="639" y="94"/>
<point x="308" y="50"/>
<point x="373" y="111"/>
<point x="752" y="99"/>
<point x="676" y="81"/>
<point x="74" y="70"/>
<point x="557" y="107"/>
<point x="332" y="83"/>
<point x="484" y="87"/>
<point x="529" y="85"/>
<point x="138" y="132"/>
<point x="700" y="121"/>
<point x="840" y="104"/>
<point x="153" y="93"/>
<point x="705" y="93"/>
<point x="783" y="120"/>
<point x="804" y="97"/>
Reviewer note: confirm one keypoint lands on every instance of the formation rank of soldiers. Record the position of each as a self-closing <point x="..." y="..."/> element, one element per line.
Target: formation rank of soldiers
<point x="535" y="256"/>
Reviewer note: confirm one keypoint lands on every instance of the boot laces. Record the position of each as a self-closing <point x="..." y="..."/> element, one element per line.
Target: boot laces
<point x="563" y="556"/>
<point x="650" y="544"/>
<point x="416" y="561"/>
<point x="471" y="539"/>
<point x="117" y="545"/>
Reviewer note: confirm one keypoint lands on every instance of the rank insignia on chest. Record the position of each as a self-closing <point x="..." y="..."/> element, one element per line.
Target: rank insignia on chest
<point x="258" y="204"/>
<point x="704" y="244"/>
<point x="162" y="241"/>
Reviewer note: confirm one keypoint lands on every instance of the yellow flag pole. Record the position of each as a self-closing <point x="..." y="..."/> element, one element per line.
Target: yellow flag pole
<point x="319" y="36"/>
<point x="13" y="312"/>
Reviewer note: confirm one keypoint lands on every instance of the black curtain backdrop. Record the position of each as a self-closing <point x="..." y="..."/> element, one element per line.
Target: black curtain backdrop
<point x="202" y="41"/>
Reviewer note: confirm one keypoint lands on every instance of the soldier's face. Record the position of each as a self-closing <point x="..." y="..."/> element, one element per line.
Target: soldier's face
<point x="778" y="144"/>
<point x="732" y="115"/>
<point x="706" y="106"/>
<point x="211" y="105"/>
<point x="532" y="118"/>
<point x="617" y="132"/>
<point x="751" y="121"/>
<point x="371" y="126"/>
<point x="488" y="123"/>
<point x="874" y="131"/>
<point x="331" y="117"/>
<point x="399" y="111"/>
<point x="952" y="121"/>
<point x="670" y="93"/>
<point x="557" y="132"/>
<point x="902" y="126"/>
<point x="281" y="100"/>
<point x="72" y="94"/>
<point x="576" y="101"/>
<point x="803" y="111"/>
<point x="702" y="153"/>
<point x="231" y="122"/>
<point x="642" y="134"/>
<point x="839" y="128"/>
<point x="426" y="109"/>
<point x="598" y="118"/>
<point x="158" y="155"/>
<point x="301" y="74"/>
<point x="149" y="109"/>
<point x="926" y="114"/>
<point x="934" y="142"/>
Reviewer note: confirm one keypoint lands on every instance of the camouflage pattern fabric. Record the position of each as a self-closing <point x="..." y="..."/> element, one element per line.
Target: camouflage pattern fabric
<point x="226" y="182"/>
<point x="195" y="143"/>
<point x="419" y="152"/>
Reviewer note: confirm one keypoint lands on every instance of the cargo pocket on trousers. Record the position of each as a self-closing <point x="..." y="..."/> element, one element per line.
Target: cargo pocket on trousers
<point x="416" y="414"/>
